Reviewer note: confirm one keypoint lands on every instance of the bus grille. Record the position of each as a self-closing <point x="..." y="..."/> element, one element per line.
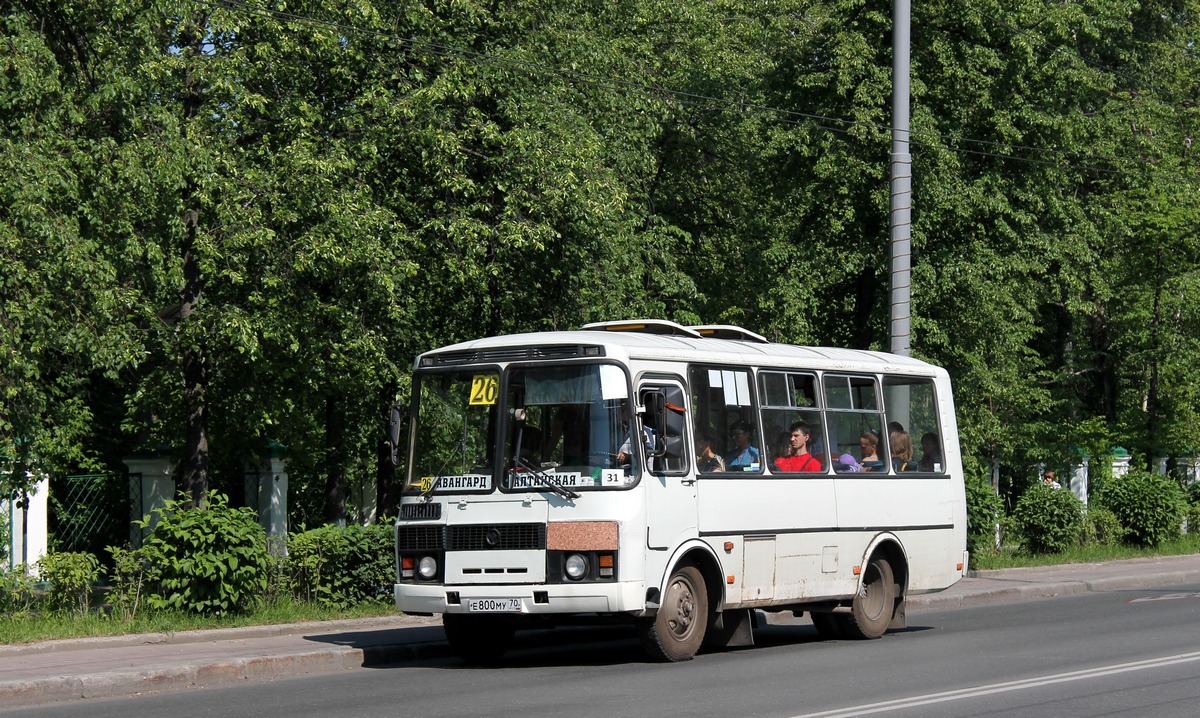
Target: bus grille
<point x="472" y="537"/>
<point x="419" y="538"/>
<point x="485" y="537"/>
<point x="421" y="511"/>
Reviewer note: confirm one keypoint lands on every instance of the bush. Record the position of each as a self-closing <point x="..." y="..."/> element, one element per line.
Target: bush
<point x="1102" y="527"/>
<point x="1049" y="520"/>
<point x="210" y="560"/>
<point x="1192" y="513"/>
<point x="342" y="566"/>
<point x="132" y="573"/>
<point x="16" y="593"/>
<point x="70" y="576"/>
<point x="1149" y="506"/>
<point x="985" y="509"/>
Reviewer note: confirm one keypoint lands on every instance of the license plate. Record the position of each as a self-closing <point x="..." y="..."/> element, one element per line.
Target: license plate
<point x="494" y="605"/>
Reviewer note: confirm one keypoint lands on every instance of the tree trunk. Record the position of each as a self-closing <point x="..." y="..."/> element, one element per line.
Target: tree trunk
<point x="387" y="494"/>
<point x="194" y="359"/>
<point x="1152" y="401"/>
<point x="335" y="462"/>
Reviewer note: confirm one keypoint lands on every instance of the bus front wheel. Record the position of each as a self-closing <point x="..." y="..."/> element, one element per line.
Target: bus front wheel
<point x="478" y="640"/>
<point x="871" y="613"/>
<point x="677" y="630"/>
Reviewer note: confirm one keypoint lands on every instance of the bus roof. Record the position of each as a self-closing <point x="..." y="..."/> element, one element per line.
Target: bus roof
<point x="666" y="341"/>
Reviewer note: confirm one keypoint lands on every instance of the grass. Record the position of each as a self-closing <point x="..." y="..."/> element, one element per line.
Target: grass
<point x="31" y="626"/>
<point x="1089" y="553"/>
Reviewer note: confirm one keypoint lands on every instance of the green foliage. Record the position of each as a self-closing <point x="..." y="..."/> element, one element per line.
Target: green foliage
<point x="1103" y="527"/>
<point x="1193" y="493"/>
<point x="341" y="566"/>
<point x="17" y="596"/>
<point x="132" y="573"/>
<point x="71" y="576"/>
<point x="1149" y="506"/>
<point x="346" y="184"/>
<point x="985" y="509"/>
<point x="1192" y="514"/>
<point x="213" y="559"/>
<point x="1049" y="520"/>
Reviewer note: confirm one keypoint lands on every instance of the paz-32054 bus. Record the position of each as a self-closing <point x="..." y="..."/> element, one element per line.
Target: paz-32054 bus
<point x="677" y="478"/>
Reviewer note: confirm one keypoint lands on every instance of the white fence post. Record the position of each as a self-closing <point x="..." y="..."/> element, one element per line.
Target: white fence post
<point x="151" y="486"/>
<point x="267" y="491"/>
<point x="29" y="527"/>
<point x="1079" y="477"/>
<point x="1120" y="461"/>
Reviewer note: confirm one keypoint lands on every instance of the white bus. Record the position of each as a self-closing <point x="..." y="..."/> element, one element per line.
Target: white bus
<point x="678" y="478"/>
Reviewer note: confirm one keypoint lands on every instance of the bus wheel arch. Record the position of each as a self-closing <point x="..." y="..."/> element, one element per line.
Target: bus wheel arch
<point x="878" y="602"/>
<point x="689" y="596"/>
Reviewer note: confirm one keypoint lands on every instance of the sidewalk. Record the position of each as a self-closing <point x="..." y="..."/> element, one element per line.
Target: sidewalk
<point x="126" y="665"/>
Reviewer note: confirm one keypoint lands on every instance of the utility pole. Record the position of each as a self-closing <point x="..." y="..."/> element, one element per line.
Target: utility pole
<point x="900" y="221"/>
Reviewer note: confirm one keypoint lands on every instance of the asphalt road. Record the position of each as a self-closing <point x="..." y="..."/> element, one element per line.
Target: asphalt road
<point x="1126" y="652"/>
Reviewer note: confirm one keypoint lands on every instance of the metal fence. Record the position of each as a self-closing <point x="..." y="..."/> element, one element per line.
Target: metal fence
<point x="89" y="512"/>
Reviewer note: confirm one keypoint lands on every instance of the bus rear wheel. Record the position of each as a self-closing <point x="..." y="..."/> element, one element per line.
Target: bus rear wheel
<point x="871" y="613"/>
<point x="478" y="640"/>
<point x="677" y="630"/>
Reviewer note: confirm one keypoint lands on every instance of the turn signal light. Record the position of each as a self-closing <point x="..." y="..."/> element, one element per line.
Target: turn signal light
<point x="857" y="570"/>
<point x="728" y="546"/>
<point x="730" y="580"/>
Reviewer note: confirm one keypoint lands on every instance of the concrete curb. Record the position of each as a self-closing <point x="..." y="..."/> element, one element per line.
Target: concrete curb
<point x="215" y="634"/>
<point x="213" y="673"/>
<point x="1002" y="589"/>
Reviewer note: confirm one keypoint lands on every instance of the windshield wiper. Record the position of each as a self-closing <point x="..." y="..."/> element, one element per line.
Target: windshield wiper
<point x="547" y="479"/>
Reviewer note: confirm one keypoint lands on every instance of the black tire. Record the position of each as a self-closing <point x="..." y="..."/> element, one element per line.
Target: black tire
<point x="871" y="613"/>
<point x="677" y="630"/>
<point x="478" y="640"/>
<point x="827" y="624"/>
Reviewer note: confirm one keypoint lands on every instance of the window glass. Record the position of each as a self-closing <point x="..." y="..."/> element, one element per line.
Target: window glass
<point x="663" y="427"/>
<point x="568" y="425"/>
<point x="855" y="424"/>
<point x="456" y="423"/>
<point x="792" y="426"/>
<point x="724" y="421"/>
<point x="912" y="417"/>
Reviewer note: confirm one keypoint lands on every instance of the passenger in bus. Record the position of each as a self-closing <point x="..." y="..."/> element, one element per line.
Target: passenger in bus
<point x="931" y="452"/>
<point x="798" y="459"/>
<point x="743" y="456"/>
<point x="782" y="446"/>
<point x="708" y="461"/>
<point x="868" y="442"/>
<point x="847" y="464"/>
<point x="902" y="451"/>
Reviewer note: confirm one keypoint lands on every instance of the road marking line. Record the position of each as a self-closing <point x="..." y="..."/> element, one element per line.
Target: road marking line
<point x="960" y="694"/>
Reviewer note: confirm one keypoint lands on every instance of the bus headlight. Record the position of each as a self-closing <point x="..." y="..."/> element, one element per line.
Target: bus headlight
<point x="576" y="566"/>
<point x="427" y="567"/>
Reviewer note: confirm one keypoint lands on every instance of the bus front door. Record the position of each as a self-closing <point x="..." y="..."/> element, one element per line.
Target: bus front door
<point x="670" y="484"/>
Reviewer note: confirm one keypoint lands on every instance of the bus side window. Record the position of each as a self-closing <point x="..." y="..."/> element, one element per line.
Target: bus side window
<point x="912" y="415"/>
<point x="724" y="407"/>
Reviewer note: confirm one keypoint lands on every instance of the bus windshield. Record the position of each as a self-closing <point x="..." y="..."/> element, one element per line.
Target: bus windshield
<point x="564" y="426"/>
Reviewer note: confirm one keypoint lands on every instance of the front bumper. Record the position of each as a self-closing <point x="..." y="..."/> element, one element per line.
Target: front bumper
<point x="584" y="598"/>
